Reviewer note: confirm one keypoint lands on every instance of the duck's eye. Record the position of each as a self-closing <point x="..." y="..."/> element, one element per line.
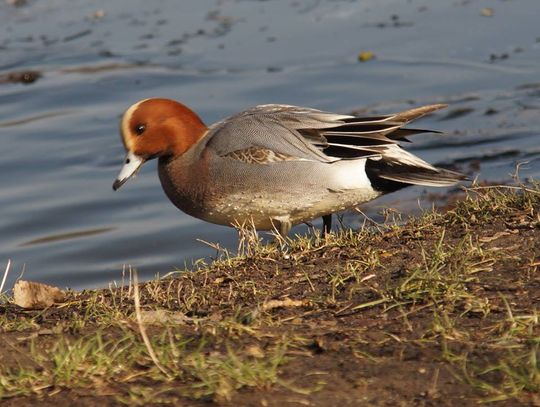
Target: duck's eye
<point x="140" y="128"/>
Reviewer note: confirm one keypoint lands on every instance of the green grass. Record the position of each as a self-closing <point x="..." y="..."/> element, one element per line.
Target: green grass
<point x="445" y="273"/>
<point x="435" y="284"/>
<point x="95" y="362"/>
<point x="513" y="370"/>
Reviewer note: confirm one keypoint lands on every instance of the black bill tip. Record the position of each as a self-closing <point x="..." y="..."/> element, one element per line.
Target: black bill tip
<point x="118" y="183"/>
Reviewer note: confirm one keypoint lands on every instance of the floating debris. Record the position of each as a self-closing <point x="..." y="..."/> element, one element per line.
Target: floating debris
<point x="98" y="14"/>
<point x="25" y="77"/>
<point x="16" y="3"/>
<point x="78" y="35"/>
<point x="498" y="57"/>
<point x="365" y="56"/>
<point x="487" y="12"/>
<point x="394" y="22"/>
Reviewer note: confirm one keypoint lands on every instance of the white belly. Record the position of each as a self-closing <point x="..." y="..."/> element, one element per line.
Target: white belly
<point x="260" y="209"/>
<point x="297" y="191"/>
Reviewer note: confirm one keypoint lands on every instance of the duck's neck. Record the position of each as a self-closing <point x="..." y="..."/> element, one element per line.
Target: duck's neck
<point x="189" y="130"/>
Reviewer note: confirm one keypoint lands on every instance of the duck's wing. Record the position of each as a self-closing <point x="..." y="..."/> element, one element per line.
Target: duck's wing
<point x="270" y="133"/>
<point x="274" y="129"/>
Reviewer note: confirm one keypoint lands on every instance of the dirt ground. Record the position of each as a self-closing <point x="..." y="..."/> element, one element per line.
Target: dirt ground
<point x="439" y="311"/>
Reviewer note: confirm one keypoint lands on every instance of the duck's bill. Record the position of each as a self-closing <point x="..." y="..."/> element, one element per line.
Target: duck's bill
<point x="131" y="164"/>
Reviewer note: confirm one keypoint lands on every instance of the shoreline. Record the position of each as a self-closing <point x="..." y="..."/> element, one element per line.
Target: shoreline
<point x="441" y="310"/>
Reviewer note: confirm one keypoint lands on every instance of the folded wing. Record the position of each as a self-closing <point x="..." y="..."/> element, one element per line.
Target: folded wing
<point x="270" y="133"/>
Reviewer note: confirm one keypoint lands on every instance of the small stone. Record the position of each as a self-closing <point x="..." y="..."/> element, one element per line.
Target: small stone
<point x="255" y="352"/>
<point x="33" y="295"/>
<point x="163" y="317"/>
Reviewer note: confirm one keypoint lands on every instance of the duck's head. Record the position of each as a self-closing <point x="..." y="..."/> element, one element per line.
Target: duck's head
<point x="154" y="128"/>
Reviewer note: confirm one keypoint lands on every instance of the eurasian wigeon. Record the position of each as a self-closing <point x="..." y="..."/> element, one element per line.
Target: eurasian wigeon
<point x="274" y="166"/>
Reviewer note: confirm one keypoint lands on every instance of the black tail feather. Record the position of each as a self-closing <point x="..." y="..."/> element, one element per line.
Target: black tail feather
<point x="386" y="177"/>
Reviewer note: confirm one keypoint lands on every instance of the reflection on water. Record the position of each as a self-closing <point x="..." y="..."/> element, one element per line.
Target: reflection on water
<point x="18" y="122"/>
<point x="67" y="236"/>
<point x="91" y="60"/>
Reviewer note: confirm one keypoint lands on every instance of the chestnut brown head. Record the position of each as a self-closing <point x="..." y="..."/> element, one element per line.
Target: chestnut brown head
<point x="154" y="128"/>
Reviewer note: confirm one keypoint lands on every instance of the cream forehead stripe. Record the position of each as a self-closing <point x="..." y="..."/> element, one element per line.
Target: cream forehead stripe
<point x="125" y="123"/>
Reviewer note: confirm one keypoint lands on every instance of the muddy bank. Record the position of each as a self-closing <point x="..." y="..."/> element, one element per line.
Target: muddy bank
<point x="442" y="311"/>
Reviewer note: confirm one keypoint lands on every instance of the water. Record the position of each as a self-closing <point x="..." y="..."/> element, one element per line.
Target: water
<point x="62" y="224"/>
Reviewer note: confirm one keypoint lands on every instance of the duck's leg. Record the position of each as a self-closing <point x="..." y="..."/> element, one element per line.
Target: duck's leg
<point x="327" y="224"/>
<point x="282" y="225"/>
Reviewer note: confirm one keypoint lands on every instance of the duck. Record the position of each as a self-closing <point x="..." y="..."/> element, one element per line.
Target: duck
<point x="274" y="166"/>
